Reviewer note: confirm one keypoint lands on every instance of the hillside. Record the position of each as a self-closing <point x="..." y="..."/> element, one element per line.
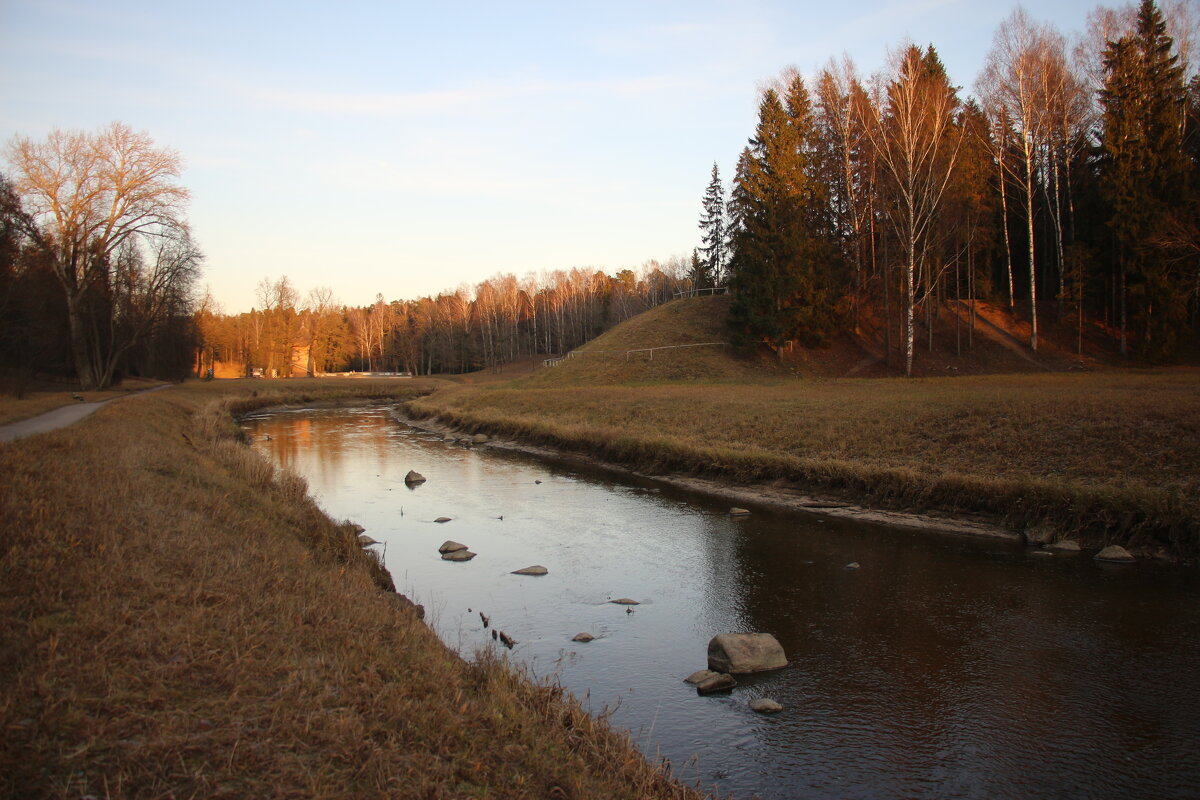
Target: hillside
<point x="687" y="341"/>
<point x="660" y="345"/>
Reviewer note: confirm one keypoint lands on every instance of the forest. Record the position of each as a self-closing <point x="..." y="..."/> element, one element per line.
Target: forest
<point x="1065" y="188"/>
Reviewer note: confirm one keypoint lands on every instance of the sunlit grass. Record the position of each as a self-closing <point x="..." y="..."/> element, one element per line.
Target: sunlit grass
<point x="179" y="618"/>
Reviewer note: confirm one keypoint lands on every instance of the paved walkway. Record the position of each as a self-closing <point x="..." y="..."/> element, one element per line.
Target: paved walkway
<point x="60" y="417"/>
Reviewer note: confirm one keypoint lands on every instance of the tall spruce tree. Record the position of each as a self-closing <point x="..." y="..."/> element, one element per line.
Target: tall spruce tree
<point x="782" y="268"/>
<point x="713" y="237"/>
<point x="1144" y="176"/>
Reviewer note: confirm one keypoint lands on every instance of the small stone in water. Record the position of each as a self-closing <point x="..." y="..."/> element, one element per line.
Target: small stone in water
<point x="583" y="637"/>
<point x="625" y="601"/>
<point x="765" y="705"/>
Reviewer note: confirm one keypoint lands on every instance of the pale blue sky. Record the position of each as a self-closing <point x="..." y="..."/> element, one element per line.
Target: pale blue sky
<point x="407" y="148"/>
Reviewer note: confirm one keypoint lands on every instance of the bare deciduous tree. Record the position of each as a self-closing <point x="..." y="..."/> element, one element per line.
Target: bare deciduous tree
<point x="90" y="194"/>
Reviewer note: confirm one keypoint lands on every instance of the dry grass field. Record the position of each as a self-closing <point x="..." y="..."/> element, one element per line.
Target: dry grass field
<point x="179" y="619"/>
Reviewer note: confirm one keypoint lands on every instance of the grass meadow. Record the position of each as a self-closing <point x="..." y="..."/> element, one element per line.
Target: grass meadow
<point x="180" y="619"/>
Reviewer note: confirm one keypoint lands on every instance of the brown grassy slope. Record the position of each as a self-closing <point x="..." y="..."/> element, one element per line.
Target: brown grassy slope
<point x="177" y="619"/>
<point x="1111" y="456"/>
<point x="606" y="359"/>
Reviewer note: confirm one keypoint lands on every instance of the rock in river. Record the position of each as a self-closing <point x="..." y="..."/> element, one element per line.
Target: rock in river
<point x="625" y="601"/>
<point x="745" y="652"/>
<point x="719" y="682"/>
<point x="739" y="512"/>
<point x="449" y="546"/>
<point x="699" y="676"/>
<point x="1065" y="546"/>
<point x="765" y="705"/>
<point x="365" y="540"/>
<point x="458" y="555"/>
<point x="1115" y="554"/>
<point x="413" y="478"/>
<point x="536" y="569"/>
<point x="442" y="519"/>
<point x="582" y="637"/>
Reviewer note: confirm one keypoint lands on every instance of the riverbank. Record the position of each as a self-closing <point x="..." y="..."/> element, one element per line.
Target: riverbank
<point x="1101" y="458"/>
<point x="180" y="618"/>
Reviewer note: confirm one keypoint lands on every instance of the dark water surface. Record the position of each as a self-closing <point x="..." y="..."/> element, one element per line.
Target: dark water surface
<point x="941" y="668"/>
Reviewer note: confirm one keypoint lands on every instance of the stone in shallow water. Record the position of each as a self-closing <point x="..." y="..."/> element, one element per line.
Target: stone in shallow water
<point x="449" y="546"/>
<point x="1065" y="546"/>
<point x="442" y="519"/>
<point x="365" y="540"/>
<point x="413" y="477"/>
<point x="536" y="569"/>
<point x="700" y="675"/>
<point x="765" y="705"/>
<point x="739" y="512"/>
<point x="458" y="555"/>
<point x="1115" y="554"/>
<point x="745" y="652"/>
<point x="582" y="637"/>
<point x="625" y="601"/>
<point x="719" y="682"/>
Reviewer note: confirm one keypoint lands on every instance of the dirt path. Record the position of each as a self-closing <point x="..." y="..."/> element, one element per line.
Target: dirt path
<point x="60" y="417"/>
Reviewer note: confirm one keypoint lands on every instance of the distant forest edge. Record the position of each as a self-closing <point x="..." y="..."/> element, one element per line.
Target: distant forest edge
<point x="1066" y="190"/>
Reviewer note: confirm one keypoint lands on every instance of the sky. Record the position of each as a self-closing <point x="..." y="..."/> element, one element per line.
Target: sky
<point x="405" y="149"/>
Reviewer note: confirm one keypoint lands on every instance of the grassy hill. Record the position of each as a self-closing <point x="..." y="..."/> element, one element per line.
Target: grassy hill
<point x="659" y="346"/>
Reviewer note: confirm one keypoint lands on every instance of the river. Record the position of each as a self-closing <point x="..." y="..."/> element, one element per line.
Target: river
<point x="940" y="667"/>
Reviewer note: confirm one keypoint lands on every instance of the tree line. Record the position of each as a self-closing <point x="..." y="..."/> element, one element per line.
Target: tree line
<point x="495" y="322"/>
<point x="1068" y="186"/>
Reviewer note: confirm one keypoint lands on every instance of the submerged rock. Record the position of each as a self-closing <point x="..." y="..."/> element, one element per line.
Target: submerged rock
<point x="745" y="652"/>
<point x="442" y="519"/>
<point x="739" y="512"/>
<point x="1115" y="554"/>
<point x="765" y="705"/>
<point x="449" y="546"/>
<point x="582" y="637"/>
<point x="700" y="675"/>
<point x="458" y="555"/>
<point x="853" y="565"/>
<point x="719" y="682"/>
<point x="536" y="569"/>
<point x="1065" y="546"/>
<point x="413" y="478"/>
<point x="625" y="601"/>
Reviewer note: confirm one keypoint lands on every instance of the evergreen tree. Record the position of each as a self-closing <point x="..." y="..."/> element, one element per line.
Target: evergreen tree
<point x="782" y="266"/>
<point x="700" y="272"/>
<point x="1144" y="177"/>
<point x="713" y="238"/>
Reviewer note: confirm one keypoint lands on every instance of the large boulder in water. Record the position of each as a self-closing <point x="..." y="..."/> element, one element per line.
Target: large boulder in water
<point x="450" y="546"/>
<point x="413" y="478"/>
<point x="745" y="652"/>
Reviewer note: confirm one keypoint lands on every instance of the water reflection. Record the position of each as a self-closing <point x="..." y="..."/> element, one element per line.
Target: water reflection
<point x="939" y="668"/>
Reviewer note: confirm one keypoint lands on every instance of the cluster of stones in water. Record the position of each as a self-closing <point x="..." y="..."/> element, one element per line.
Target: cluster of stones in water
<point x="738" y="653"/>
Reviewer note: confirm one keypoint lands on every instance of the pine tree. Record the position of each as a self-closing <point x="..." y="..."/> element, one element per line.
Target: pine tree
<point x="1144" y="175"/>
<point x="713" y="238"/>
<point x="782" y="269"/>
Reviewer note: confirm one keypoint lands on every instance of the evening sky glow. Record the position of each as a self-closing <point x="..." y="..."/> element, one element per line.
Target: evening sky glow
<point x="406" y="148"/>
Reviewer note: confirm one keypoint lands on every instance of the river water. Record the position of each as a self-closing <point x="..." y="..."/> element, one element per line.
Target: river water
<point x="939" y="668"/>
